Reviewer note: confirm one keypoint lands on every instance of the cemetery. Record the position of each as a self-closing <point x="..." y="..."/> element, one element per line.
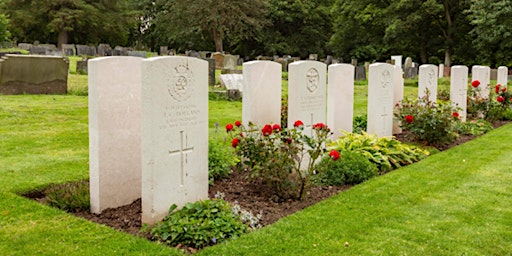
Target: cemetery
<point x="255" y="127"/>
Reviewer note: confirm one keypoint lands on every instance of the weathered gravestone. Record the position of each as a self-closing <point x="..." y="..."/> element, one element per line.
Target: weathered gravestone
<point x="313" y="56"/>
<point x="380" y="99"/>
<point x="211" y="71"/>
<point x="24" y="46"/>
<point x="174" y="134"/>
<point x="261" y="103"/>
<point x="81" y="67"/>
<point x="104" y="50"/>
<point x="360" y="73"/>
<point x="482" y="74"/>
<point x="140" y="54"/>
<point x="120" y="51"/>
<point x="494" y="74"/>
<point x="408" y="63"/>
<point x="219" y="60"/>
<point x="502" y="76"/>
<point x="411" y="73"/>
<point x="85" y="50"/>
<point x="397" y="60"/>
<point x="114" y="131"/>
<point x="68" y="49"/>
<point x="230" y="62"/>
<point x="459" y="89"/>
<point x="37" y="50"/>
<point x="398" y="96"/>
<point x="164" y="50"/>
<point x="307" y="95"/>
<point x="427" y="82"/>
<point x="233" y="84"/>
<point x="340" y="98"/>
<point x="441" y="71"/>
<point x="33" y="74"/>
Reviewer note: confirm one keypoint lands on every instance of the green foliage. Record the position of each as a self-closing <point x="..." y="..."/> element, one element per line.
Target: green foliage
<point x="5" y="35"/>
<point x="385" y="153"/>
<point x="473" y="127"/>
<point x="351" y="168"/>
<point x="492" y="107"/>
<point x="220" y="161"/>
<point x="199" y="224"/>
<point x="360" y="123"/>
<point x="429" y="122"/>
<point x="71" y="197"/>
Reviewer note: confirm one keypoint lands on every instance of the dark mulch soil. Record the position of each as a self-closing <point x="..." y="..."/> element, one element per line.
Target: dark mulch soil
<point x="253" y="197"/>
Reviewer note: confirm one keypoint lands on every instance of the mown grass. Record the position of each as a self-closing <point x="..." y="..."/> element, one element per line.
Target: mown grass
<point x="453" y="203"/>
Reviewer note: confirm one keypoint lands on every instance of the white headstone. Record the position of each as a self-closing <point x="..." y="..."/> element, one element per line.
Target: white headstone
<point x="482" y="74"/>
<point x="114" y="131"/>
<point x="307" y="95"/>
<point x="502" y="75"/>
<point x="261" y="103"/>
<point x="340" y="98"/>
<point x="174" y="134"/>
<point x="232" y="81"/>
<point x="398" y="60"/>
<point x="398" y="95"/>
<point x="380" y="99"/>
<point x="459" y="89"/>
<point x="441" y="70"/>
<point x="427" y="80"/>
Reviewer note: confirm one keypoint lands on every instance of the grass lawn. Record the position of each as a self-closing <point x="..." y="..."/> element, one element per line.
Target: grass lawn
<point x="455" y="202"/>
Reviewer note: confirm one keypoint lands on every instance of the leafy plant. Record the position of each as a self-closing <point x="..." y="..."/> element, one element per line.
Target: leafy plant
<point x="493" y="107"/>
<point x="71" y="197"/>
<point x="220" y="161"/>
<point x="360" y="122"/>
<point x="473" y="127"/>
<point x="386" y="153"/>
<point x="199" y="224"/>
<point x="350" y="168"/>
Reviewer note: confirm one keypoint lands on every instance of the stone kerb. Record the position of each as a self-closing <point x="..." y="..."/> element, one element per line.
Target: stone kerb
<point x="114" y="131"/>
<point x="33" y="74"/>
<point x="174" y="137"/>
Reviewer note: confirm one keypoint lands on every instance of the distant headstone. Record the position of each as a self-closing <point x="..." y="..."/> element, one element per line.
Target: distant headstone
<point x="140" y="54"/>
<point x="329" y="60"/>
<point x="261" y="103"/>
<point x="219" y="60"/>
<point x="211" y="72"/>
<point x="398" y="96"/>
<point x="307" y="93"/>
<point x="427" y="81"/>
<point x="353" y="62"/>
<point x="37" y="50"/>
<point x="313" y="57"/>
<point x="340" y="98"/>
<point x="33" y="74"/>
<point x="24" y="46"/>
<point x="411" y="73"/>
<point x="174" y="134"/>
<point x="494" y="74"/>
<point x="104" y="50"/>
<point x="114" y="131"/>
<point x="502" y="75"/>
<point x="240" y="62"/>
<point x="408" y="63"/>
<point x="397" y="59"/>
<point x="85" y="50"/>
<point x="120" y="51"/>
<point x="441" y="70"/>
<point x="204" y="54"/>
<point x="380" y="99"/>
<point x="482" y="74"/>
<point x="232" y="81"/>
<point x="164" y="50"/>
<point x="81" y="67"/>
<point x="68" y="49"/>
<point x="360" y="73"/>
<point x="193" y="53"/>
<point x="230" y="62"/>
<point x="459" y="89"/>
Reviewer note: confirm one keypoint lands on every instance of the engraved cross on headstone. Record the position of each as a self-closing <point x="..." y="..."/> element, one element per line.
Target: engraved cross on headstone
<point x="182" y="152"/>
<point x="310" y="125"/>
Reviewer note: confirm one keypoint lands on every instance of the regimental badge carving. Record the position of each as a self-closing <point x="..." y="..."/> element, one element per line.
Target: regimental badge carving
<point x="386" y="78"/>
<point x="181" y="85"/>
<point x="312" y="80"/>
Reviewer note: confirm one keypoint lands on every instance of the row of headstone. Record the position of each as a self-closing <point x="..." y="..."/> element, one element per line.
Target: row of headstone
<point x="148" y="133"/>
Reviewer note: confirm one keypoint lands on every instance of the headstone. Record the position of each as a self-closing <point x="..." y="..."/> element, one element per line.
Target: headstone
<point x="68" y="49"/>
<point x="329" y="60"/>
<point x="204" y="54"/>
<point x="120" y="51"/>
<point x="441" y="70"/>
<point x="411" y="73"/>
<point x="232" y="81"/>
<point x="313" y="56"/>
<point x="367" y="66"/>
<point x="240" y="62"/>
<point x="24" y="46"/>
<point x="104" y="50"/>
<point x="380" y="99"/>
<point x="85" y="50"/>
<point x="459" y="89"/>
<point x="353" y="62"/>
<point x="193" y="53"/>
<point x="219" y="60"/>
<point x="408" y="63"/>
<point x="33" y="74"/>
<point x="360" y="73"/>
<point x="230" y="62"/>
<point x="114" y="131"/>
<point x="164" y="50"/>
<point x="37" y="50"/>
<point x="398" y="96"/>
<point x="502" y="75"/>
<point x="397" y="59"/>
<point x="494" y="74"/>
<point x="81" y="67"/>
<point x="211" y="72"/>
<point x="174" y="137"/>
<point x="261" y="103"/>
<point x="340" y="98"/>
<point x="307" y="95"/>
<point x="427" y="80"/>
<point x="482" y="74"/>
<point x="140" y="54"/>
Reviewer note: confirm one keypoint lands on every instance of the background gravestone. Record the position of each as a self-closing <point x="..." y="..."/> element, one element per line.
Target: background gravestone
<point x="68" y="49"/>
<point x="360" y="73"/>
<point x="340" y="98"/>
<point x="81" y="67"/>
<point x="104" y="50"/>
<point x="219" y="60"/>
<point x="380" y="99"/>
<point x="174" y="134"/>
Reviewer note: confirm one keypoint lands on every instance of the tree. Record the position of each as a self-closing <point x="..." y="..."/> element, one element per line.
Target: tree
<point x="5" y="35"/>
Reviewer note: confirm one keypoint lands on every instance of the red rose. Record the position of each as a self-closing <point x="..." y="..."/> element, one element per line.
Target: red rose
<point x="504" y="89"/>
<point x="276" y="127"/>
<point x="319" y="126"/>
<point x="229" y="127"/>
<point x="238" y="123"/>
<point x="334" y="155"/>
<point x="455" y="114"/>
<point x="298" y="123"/>
<point x="289" y="140"/>
<point x="497" y="88"/>
<point x="475" y="83"/>
<point x="234" y="143"/>
<point x="500" y="99"/>
<point x="267" y="130"/>
<point x="409" y="119"/>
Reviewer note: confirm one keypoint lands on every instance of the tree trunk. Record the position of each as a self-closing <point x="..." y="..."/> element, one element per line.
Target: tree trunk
<point x="63" y="38"/>
<point x="447" y="57"/>
<point x="423" y="54"/>
<point x="217" y="38"/>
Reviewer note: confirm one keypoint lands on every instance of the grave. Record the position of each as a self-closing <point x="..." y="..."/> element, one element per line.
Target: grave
<point x="427" y="80"/>
<point x="360" y="73"/>
<point x="211" y="71"/>
<point x="104" y="50"/>
<point x="114" y="131"/>
<point x="482" y="74"/>
<point x="397" y="59"/>
<point x="230" y="62"/>
<point x="411" y="72"/>
<point x="340" y="98"/>
<point x="140" y="54"/>
<point x="33" y="74"/>
<point x="441" y="70"/>
<point x="219" y="60"/>
<point x="380" y="99"/>
<point x="24" y="46"/>
<point x="174" y="136"/>
<point x="233" y="84"/>
<point x="164" y="50"/>
<point x="502" y="77"/>
<point x="398" y="96"/>
<point x="81" y="67"/>
<point x="307" y="95"/>
<point x="408" y="63"/>
<point x="85" y="50"/>
<point x="459" y="89"/>
<point x="261" y="103"/>
<point x="313" y="56"/>
<point x="68" y="49"/>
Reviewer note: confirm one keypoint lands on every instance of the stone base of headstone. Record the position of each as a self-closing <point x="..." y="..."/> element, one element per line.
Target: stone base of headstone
<point x="234" y="94"/>
<point x="230" y="71"/>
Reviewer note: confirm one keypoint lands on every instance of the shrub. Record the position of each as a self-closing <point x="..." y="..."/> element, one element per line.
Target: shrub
<point x="71" y="197"/>
<point x="351" y="168"/>
<point x="220" y="161"/>
<point x="386" y="153"/>
<point x="474" y="127"/>
<point x="360" y="123"/>
<point x="491" y="108"/>
<point x="199" y="224"/>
